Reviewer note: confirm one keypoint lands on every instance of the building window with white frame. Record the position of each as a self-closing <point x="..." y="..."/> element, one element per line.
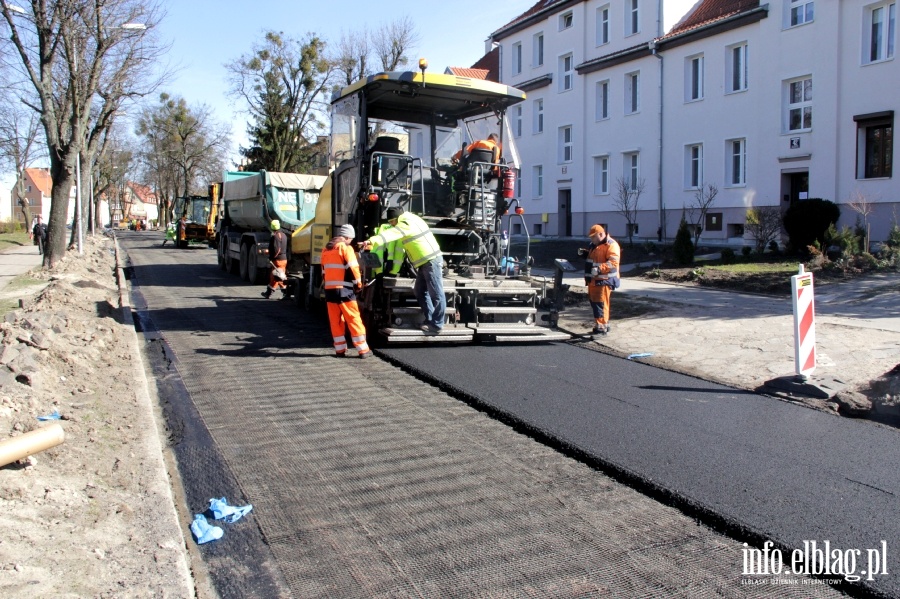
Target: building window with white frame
<point x="566" y="20"/>
<point x="517" y="58"/>
<point x="693" y="78"/>
<point x="633" y="17"/>
<point x="737" y="69"/>
<point x="879" y="32"/>
<point x="800" y="12"/>
<point x="693" y="166"/>
<point x="632" y="92"/>
<point x="736" y="167"/>
<point x="537" y="181"/>
<point x="875" y="145"/>
<point x="799" y="104"/>
<point x="566" y="146"/>
<point x="602" y="100"/>
<point x="566" y="72"/>
<point x="601" y="175"/>
<point x="538" y="58"/>
<point x="603" y="25"/>
<point x="517" y="121"/>
<point x="539" y="115"/>
<point x="631" y="173"/>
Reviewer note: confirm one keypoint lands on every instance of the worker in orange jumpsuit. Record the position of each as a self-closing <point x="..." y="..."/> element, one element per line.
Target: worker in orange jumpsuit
<point x="492" y="144"/>
<point x="340" y="270"/>
<point x="601" y="275"/>
<point x="278" y="257"/>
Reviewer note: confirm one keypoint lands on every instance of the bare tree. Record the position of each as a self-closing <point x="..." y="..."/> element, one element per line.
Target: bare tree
<point x="393" y="41"/>
<point x="764" y="224"/>
<point x="704" y="198"/>
<point x="84" y="60"/>
<point x="626" y="200"/>
<point x="19" y="144"/>
<point x="352" y="58"/>
<point x="863" y="205"/>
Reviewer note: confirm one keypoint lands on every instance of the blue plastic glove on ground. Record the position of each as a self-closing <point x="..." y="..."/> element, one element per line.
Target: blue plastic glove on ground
<point x="54" y="416"/>
<point x="635" y="356"/>
<point x="203" y="532"/>
<point x="229" y="513"/>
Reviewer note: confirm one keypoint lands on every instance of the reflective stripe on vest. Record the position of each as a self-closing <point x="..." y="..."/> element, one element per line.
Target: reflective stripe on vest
<point x="335" y="265"/>
<point x="418" y="241"/>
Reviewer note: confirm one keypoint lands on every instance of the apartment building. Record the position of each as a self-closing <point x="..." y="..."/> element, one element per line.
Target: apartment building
<point x="772" y="103"/>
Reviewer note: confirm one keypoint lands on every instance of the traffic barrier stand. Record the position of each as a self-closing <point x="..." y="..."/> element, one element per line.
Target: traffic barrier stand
<point x="802" y="382"/>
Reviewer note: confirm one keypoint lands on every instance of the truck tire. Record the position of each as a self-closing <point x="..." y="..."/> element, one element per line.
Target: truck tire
<point x="245" y="261"/>
<point x="254" y="272"/>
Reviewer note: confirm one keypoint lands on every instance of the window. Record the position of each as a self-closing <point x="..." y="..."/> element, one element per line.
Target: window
<point x="633" y="24"/>
<point x="632" y="93"/>
<point x="713" y="221"/>
<point x="537" y="182"/>
<point x="880" y="32"/>
<point x="603" y="25"/>
<point x="517" y="121"/>
<point x="799" y="104"/>
<point x="565" y="20"/>
<point x="875" y="143"/>
<point x="736" y="65"/>
<point x="603" y="100"/>
<point x="601" y="175"/>
<point x="693" y="78"/>
<point x="693" y="163"/>
<point x="566" y="72"/>
<point x="538" y="58"/>
<point x="736" y="169"/>
<point x="801" y="11"/>
<point x="631" y="173"/>
<point x="565" y="144"/>
<point x="538" y="229"/>
<point x="539" y="116"/>
<point x="517" y="58"/>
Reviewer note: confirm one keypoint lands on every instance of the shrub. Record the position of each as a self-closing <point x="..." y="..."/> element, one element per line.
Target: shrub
<point x="683" y="246"/>
<point x="846" y="240"/>
<point x="745" y="251"/>
<point x="865" y="261"/>
<point x="728" y="256"/>
<point x="773" y="246"/>
<point x="807" y="220"/>
<point x="893" y="240"/>
<point x="650" y="247"/>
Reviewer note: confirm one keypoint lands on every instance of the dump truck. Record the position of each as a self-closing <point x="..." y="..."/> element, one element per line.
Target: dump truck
<point x="250" y="202"/>
<point x="201" y="215"/>
<point x="393" y="140"/>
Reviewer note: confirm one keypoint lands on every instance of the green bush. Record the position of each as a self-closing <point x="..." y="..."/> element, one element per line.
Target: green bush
<point x="847" y="240"/>
<point x="728" y="256"/>
<point x="806" y="221"/>
<point x="773" y="246"/>
<point x="683" y="246"/>
<point x="745" y="251"/>
<point x="893" y="240"/>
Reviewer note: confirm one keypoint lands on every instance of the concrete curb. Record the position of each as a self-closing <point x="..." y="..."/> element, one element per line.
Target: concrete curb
<point x="159" y="469"/>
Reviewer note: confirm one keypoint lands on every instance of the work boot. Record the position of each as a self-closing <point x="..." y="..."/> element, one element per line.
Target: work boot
<point x="365" y="354"/>
<point x="266" y="294"/>
<point x="599" y="329"/>
<point x="284" y="295"/>
<point x="342" y="354"/>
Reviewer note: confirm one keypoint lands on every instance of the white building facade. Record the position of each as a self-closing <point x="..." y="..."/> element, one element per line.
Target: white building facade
<point x="770" y="103"/>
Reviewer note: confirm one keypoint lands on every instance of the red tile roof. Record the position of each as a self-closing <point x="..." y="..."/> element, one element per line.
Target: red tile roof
<point x="41" y="179"/>
<point x="709" y="11"/>
<point x="472" y="73"/>
<point x="143" y="192"/>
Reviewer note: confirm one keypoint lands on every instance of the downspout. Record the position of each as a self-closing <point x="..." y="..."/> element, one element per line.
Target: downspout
<point x="661" y="232"/>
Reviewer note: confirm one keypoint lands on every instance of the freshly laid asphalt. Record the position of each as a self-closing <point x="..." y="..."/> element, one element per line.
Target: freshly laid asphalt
<point x="761" y="466"/>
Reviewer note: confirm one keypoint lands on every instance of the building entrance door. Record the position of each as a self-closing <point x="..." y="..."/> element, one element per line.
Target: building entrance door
<point x="564" y="213"/>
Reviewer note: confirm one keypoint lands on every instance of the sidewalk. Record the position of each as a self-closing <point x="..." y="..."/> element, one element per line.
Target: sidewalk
<point x="16" y="261"/>
<point x="744" y="340"/>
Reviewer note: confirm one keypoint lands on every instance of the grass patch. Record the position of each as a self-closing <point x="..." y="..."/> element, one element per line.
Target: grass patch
<point x="756" y="267"/>
<point x="8" y="240"/>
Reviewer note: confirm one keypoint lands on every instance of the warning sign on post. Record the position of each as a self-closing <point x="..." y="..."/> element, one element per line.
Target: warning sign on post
<point x="804" y="323"/>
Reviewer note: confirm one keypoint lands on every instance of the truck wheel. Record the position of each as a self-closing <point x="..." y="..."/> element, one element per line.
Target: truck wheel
<point x="254" y="272"/>
<point x="298" y="291"/>
<point x="245" y="262"/>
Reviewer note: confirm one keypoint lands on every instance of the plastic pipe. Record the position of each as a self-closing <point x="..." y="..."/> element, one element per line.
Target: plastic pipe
<point x="29" y="443"/>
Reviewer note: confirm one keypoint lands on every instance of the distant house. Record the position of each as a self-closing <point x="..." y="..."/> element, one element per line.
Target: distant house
<point x="37" y="193"/>
<point x="142" y="202"/>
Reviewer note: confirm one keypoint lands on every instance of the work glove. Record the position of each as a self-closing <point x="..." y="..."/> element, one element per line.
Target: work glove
<point x="582" y="252"/>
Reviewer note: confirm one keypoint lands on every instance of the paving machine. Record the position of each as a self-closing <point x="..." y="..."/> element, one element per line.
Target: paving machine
<point x="393" y="140"/>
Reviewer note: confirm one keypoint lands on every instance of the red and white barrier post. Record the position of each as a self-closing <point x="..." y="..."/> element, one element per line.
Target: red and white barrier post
<point x="804" y="323"/>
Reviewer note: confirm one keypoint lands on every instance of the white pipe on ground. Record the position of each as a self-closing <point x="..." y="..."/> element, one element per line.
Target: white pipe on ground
<point x="29" y="443"/>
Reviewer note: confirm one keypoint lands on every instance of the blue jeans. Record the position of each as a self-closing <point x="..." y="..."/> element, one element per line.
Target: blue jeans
<point x="429" y="291"/>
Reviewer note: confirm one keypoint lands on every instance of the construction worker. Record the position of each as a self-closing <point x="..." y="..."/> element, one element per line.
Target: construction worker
<point x="170" y="234"/>
<point x="340" y="270"/>
<point x="423" y="251"/>
<point x="491" y="144"/>
<point x="601" y="275"/>
<point x="181" y="232"/>
<point x="278" y="257"/>
<point x="391" y="255"/>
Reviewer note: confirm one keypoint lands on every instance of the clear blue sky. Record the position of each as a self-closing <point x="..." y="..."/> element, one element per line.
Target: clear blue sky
<point x="207" y="34"/>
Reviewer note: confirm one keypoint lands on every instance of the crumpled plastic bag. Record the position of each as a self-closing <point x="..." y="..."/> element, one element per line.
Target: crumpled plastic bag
<point x="54" y="416"/>
<point x="203" y="532"/>
<point x="229" y="513"/>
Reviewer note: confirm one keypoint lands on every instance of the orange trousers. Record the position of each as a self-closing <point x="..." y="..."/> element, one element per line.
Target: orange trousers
<point x="599" y="297"/>
<point x="275" y="283"/>
<point x="346" y="313"/>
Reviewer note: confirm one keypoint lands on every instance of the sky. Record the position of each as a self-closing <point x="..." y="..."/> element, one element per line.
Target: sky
<point x="207" y="34"/>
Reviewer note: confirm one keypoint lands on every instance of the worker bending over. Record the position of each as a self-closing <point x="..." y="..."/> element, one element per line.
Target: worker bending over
<point x="340" y="269"/>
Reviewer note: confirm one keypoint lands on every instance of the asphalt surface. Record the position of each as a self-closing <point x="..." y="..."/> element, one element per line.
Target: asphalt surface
<point x="754" y="464"/>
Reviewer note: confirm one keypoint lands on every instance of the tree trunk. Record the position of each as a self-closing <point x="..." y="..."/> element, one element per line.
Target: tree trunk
<point x="62" y="178"/>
